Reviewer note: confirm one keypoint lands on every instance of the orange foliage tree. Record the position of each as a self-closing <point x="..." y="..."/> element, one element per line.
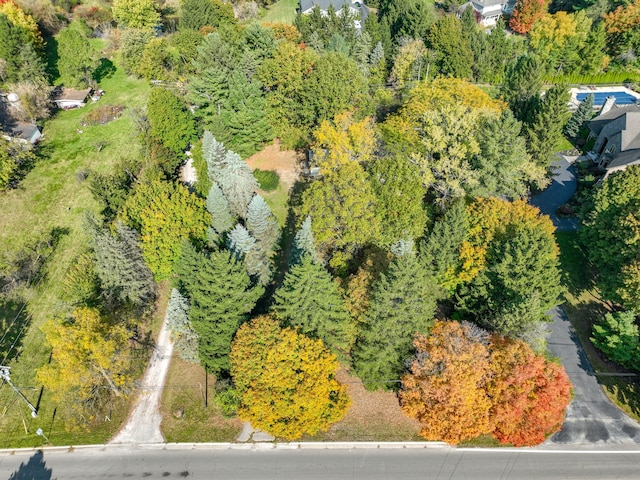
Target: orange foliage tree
<point x="285" y="380"/>
<point x="527" y="13"/>
<point x="528" y="392"/>
<point x="445" y="389"/>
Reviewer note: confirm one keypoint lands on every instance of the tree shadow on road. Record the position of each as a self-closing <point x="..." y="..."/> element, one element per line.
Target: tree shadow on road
<point x="34" y="469"/>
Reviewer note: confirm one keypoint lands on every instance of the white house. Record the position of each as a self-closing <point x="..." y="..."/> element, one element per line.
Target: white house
<point x="355" y="7"/>
<point x="488" y="12"/>
<point x="68" y="98"/>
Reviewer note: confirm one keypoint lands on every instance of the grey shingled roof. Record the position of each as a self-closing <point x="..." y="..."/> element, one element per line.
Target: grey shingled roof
<point x="627" y="157"/>
<point x="598" y="123"/>
<point x="323" y="4"/>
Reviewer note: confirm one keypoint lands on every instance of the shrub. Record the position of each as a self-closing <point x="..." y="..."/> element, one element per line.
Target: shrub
<point x="268" y="179"/>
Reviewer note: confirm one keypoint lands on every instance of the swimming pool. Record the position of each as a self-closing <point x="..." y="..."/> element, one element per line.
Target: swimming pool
<point x="599" y="97"/>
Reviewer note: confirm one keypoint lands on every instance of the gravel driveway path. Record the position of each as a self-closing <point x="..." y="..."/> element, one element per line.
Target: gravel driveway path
<point x="143" y="425"/>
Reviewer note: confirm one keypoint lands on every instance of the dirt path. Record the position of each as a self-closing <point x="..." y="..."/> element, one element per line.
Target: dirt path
<point x="143" y="425"/>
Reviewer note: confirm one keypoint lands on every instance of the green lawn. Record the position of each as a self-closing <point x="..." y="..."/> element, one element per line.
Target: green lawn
<point x="52" y="195"/>
<point x="283" y="11"/>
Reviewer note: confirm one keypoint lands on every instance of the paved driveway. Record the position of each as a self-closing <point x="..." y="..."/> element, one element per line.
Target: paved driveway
<point x="591" y="417"/>
<point x="562" y="187"/>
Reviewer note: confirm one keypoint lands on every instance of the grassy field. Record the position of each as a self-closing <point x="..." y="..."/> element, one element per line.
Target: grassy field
<point x="282" y="11"/>
<point x="184" y="415"/>
<point x="584" y="307"/>
<point x="53" y="195"/>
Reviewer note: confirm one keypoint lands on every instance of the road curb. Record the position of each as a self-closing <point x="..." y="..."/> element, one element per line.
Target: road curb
<point x="232" y="446"/>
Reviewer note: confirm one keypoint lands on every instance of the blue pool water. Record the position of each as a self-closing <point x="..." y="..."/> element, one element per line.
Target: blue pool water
<point x="622" y="98"/>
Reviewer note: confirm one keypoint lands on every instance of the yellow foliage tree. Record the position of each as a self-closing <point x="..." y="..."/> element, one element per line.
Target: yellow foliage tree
<point x="490" y="218"/>
<point x="285" y="380"/>
<point x="90" y="361"/>
<point x="445" y="387"/>
<point x="343" y="141"/>
<point x="19" y="18"/>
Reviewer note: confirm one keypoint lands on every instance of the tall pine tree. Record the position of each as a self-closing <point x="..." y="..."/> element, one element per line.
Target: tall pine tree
<point x="120" y="267"/>
<point x="303" y="243"/>
<point x="237" y="183"/>
<point x="403" y="303"/>
<point x="185" y="339"/>
<point x="218" y="207"/>
<point x="579" y="117"/>
<point x="221" y="295"/>
<point x="262" y="225"/>
<point x="310" y="299"/>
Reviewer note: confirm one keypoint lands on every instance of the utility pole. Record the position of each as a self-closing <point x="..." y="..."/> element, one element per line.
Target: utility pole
<point x="5" y="375"/>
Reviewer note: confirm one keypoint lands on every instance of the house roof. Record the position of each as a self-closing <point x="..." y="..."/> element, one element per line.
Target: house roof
<point x="597" y="124"/>
<point x="24" y="131"/>
<point x="323" y="4"/>
<point x="72" y="94"/>
<point x="626" y="158"/>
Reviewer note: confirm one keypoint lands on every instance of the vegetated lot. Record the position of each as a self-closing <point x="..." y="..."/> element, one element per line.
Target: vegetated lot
<point x="55" y="194"/>
<point x="372" y="416"/>
<point x="282" y="11"/>
<point x="585" y="307"/>
<point x="185" y="418"/>
<point x="285" y="163"/>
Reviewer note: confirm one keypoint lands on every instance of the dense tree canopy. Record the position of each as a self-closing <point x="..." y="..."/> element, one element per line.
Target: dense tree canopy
<point x="611" y="235"/>
<point x="286" y="381"/>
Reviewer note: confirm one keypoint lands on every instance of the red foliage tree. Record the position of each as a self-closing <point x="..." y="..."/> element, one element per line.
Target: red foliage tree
<point x="526" y="13"/>
<point x="529" y="393"/>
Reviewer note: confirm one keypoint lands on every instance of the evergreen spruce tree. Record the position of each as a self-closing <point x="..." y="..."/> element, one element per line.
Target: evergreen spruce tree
<point x="221" y="295"/>
<point x="237" y="183"/>
<point x="218" y="207"/>
<point x="214" y="154"/>
<point x="184" y="337"/>
<point x="246" y="249"/>
<point x="120" y="266"/>
<point x="303" y="244"/>
<point x="440" y="252"/>
<point x="403" y="302"/>
<point x="262" y="225"/>
<point x="361" y="52"/>
<point x="310" y="299"/>
<point x="545" y="130"/>
<point x="522" y="86"/>
<point x="580" y="116"/>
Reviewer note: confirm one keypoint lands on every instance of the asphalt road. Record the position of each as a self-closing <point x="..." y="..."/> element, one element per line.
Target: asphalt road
<point x="353" y="464"/>
<point x="591" y="417"/>
<point x="563" y="186"/>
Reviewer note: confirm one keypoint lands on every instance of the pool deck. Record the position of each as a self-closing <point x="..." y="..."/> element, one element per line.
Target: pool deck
<point x="592" y="89"/>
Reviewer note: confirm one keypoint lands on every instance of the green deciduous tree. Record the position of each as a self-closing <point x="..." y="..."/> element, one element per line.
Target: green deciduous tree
<point x="342" y="206"/>
<point x="170" y="122"/>
<point x="616" y="335"/>
<point x="286" y="381"/>
<point x="310" y="300"/>
<point x="402" y="304"/>
<point x="132" y="43"/>
<point x="76" y="60"/>
<point x="166" y="214"/>
<point x="611" y="235"/>
<point x="12" y="40"/>
<point x="399" y="198"/>
<point x="136" y="13"/>
<point x="221" y="296"/>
